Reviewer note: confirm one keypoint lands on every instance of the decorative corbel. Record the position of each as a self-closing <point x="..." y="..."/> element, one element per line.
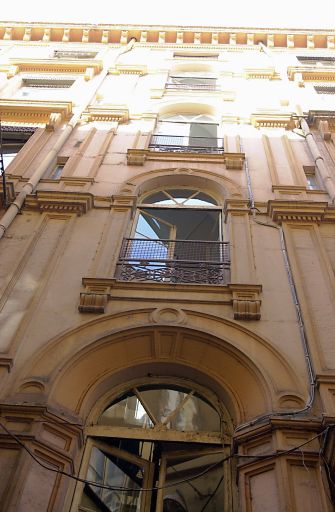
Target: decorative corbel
<point x="246" y="301"/>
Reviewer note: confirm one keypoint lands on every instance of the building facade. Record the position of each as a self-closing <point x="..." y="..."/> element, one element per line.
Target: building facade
<point x="167" y="269"/>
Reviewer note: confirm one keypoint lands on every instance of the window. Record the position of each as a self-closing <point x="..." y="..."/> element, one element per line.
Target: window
<point x="74" y="54"/>
<point x="40" y="88"/>
<point x="57" y="171"/>
<point x="177" y="239"/>
<point x="195" y="55"/>
<point x="316" y="61"/>
<point x="13" y="139"/>
<point x="162" y="435"/>
<point x="193" y="80"/>
<point x="187" y="133"/>
<point x="325" y="89"/>
<point x="312" y="180"/>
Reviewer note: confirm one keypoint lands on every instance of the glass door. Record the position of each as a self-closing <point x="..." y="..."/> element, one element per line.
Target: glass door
<point x="119" y="476"/>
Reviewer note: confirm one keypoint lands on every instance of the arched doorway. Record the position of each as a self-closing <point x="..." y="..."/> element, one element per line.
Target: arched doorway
<point x="158" y="447"/>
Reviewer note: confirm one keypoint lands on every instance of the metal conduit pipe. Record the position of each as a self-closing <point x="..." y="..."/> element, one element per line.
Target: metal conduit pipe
<point x="318" y="160"/>
<point x="30" y="186"/>
<point x="302" y="331"/>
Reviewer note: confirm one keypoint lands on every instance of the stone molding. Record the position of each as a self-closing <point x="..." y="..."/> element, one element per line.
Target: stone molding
<point x="169" y="36"/>
<point x="245" y="298"/>
<point x="311" y="73"/>
<point x="128" y="69"/>
<point x="106" y="113"/>
<point x="297" y="211"/>
<point x="271" y="120"/>
<point x="57" y="65"/>
<point x="233" y="161"/>
<point x="265" y="73"/>
<point x="60" y="202"/>
<point x="35" y="112"/>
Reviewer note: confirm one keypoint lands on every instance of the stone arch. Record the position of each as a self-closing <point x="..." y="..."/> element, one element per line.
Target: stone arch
<point x="215" y="183"/>
<point x="80" y="365"/>
<point x="167" y="107"/>
<point x="192" y="66"/>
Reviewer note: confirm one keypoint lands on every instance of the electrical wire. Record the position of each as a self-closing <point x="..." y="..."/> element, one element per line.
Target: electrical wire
<point x="156" y="488"/>
<point x="212" y="495"/>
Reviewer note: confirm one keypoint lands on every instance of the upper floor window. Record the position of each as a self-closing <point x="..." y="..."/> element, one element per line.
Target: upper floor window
<point x="43" y="87"/>
<point x="316" y="61"/>
<point x="187" y="133"/>
<point x="195" y="55"/>
<point x="177" y="238"/>
<point x="74" y="54"/>
<point x="192" y="80"/>
<point x="325" y="89"/>
<point x="12" y="141"/>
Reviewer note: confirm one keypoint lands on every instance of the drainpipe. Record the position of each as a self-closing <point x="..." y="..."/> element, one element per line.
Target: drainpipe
<point x="318" y="160"/>
<point x="30" y="186"/>
<point x="302" y="330"/>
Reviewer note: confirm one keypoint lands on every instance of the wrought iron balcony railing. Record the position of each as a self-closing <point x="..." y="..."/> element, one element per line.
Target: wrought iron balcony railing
<point x="193" y="86"/>
<point x="185" y="144"/>
<point x="174" y="261"/>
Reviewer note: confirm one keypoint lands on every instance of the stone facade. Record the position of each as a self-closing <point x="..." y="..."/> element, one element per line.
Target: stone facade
<point x="168" y="229"/>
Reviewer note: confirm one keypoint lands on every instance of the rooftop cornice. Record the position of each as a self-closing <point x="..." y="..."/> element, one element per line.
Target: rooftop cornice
<point x="39" y="32"/>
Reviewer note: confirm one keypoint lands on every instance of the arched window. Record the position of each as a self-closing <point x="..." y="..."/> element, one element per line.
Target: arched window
<point x="157" y="448"/>
<point x="177" y="238"/>
<point x="187" y="132"/>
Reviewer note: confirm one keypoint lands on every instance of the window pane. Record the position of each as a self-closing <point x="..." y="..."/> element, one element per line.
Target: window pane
<point x="194" y="414"/>
<point x="109" y="470"/>
<point x="188" y="197"/>
<point x="207" y="488"/>
<point x="126" y="413"/>
<point x="176" y="408"/>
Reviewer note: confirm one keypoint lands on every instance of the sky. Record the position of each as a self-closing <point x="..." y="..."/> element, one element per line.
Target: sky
<point x="243" y="13"/>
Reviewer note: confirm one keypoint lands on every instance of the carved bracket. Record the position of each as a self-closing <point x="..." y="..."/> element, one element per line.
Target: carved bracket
<point x="107" y="113"/>
<point x="298" y="211"/>
<point x="60" y="202"/>
<point x="246" y="301"/>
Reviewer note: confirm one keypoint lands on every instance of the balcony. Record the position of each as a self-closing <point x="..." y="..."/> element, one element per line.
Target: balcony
<point x="174" y="261"/>
<point x="186" y="144"/>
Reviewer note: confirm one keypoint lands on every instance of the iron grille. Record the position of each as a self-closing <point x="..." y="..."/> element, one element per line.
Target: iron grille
<point x="325" y="89"/>
<point x="194" y="86"/>
<point x="174" y="261"/>
<point x="182" y="144"/>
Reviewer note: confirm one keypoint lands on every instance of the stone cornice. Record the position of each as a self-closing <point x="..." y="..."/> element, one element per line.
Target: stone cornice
<point x="271" y="119"/>
<point x="60" y="202"/>
<point x="231" y="160"/>
<point x="297" y="211"/>
<point x="166" y="35"/>
<point x="35" y="112"/>
<point x="106" y="113"/>
<point x="128" y="69"/>
<point x="312" y="73"/>
<point x="56" y="65"/>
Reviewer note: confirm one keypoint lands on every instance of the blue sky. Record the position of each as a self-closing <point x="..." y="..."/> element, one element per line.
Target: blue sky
<point x="256" y="13"/>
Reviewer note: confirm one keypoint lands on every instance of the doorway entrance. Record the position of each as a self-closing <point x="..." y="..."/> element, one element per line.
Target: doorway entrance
<point x="157" y="448"/>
